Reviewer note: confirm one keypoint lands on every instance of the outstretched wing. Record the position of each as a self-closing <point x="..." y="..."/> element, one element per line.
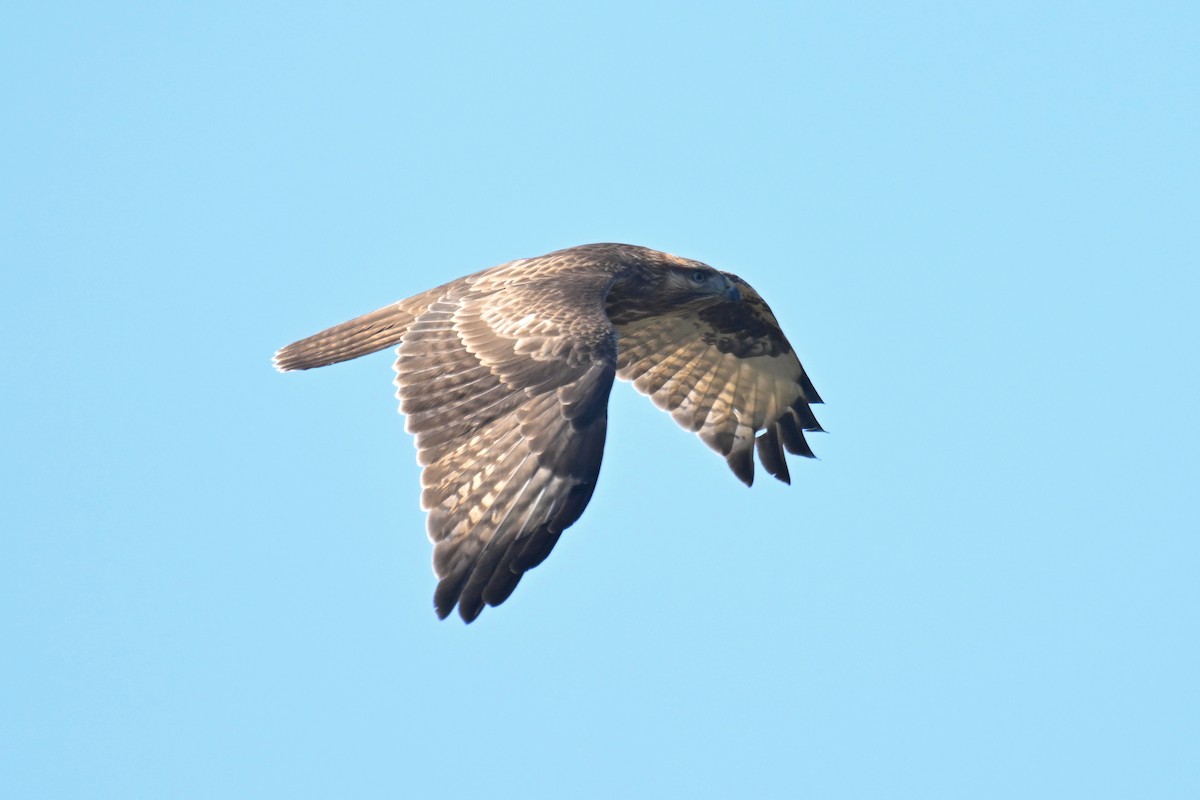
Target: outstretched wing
<point x="727" y="372"/>
<point x="505" y="384"/>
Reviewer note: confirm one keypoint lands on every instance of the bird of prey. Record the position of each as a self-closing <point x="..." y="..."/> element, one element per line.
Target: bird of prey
<point x="504" y="377"/>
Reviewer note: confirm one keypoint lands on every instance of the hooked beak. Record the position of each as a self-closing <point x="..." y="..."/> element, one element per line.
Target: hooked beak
<point x="731" y="291"/>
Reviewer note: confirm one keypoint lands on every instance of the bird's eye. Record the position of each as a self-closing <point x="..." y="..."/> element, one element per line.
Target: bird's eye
<point x="699" y="276"/>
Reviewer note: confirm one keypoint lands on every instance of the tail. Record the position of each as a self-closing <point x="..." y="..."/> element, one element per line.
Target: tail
<point x="369" y="333"/>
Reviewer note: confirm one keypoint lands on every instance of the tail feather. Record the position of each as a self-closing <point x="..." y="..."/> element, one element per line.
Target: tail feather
<point x="369" y="333"/>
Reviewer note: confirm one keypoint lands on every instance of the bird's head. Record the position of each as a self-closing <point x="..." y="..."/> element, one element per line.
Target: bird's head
<point x="652" y="283"/>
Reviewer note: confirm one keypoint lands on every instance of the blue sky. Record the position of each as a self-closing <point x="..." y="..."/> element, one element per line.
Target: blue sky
<point x="977" y="222"/>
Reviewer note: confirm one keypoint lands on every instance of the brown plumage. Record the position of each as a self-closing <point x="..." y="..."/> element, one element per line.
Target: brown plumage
<point x="504" y="376"/>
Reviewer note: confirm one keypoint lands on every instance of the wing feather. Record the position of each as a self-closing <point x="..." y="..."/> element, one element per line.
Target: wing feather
<point x="745" y="408"/>
<point x="505" y="387"/>
<point x="702" y="397"/>
<point x="727" y="372"/>
<point x="770" y="453"/>
<point x="679" y="394"/>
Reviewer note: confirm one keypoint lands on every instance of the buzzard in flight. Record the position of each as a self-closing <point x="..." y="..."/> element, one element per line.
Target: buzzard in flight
<point x="504" y="376"/>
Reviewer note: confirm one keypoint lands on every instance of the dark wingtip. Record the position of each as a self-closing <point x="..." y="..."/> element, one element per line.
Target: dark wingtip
<point x="448" y="594"/>
<point x="536" y="550"/>
<point x="742" y="464"/>
<point x="807" y="390"/>
<point x="471" y="613"/>
<point x="792" y="437"/>
<point x="805" y="417"/>
<point x="443" y="607"/>
<point x="770" y="453"/>
<point x="501" y="586"/>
